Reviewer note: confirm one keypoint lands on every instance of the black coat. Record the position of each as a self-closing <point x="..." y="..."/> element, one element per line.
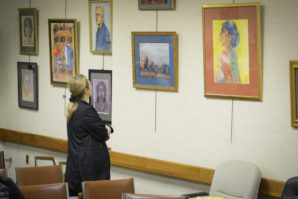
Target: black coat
<point x="9" y="190"/>
<point x="88" y="157"/>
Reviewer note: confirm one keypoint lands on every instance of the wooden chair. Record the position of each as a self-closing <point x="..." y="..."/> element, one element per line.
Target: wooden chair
<point x="47" y="158"/>
<point x="111" y="189"/>
<point x="2" y="160"/>
<point x="149" y="196"/>
<point x="45" y="191"/>
<point x="38" y="175"/>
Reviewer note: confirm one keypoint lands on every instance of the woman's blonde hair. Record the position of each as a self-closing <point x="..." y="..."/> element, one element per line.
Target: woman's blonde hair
<point x="77" y="87"/>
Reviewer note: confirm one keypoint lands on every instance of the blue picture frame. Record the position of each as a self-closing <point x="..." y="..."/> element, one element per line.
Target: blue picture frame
<point x="155" y="64"/>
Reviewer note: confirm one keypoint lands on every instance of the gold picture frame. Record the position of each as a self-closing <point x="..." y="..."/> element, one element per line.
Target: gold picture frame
<point x="151" y="70"/>
<point x="28" y="31"/>
<point x="232" y="51"/>
<point x="100" y="26"/>
<point x="63" y="43"/>
<point x="294" y="92"/>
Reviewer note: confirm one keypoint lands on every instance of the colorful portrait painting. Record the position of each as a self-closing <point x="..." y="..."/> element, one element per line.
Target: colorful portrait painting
<point x="155" y="60"/>
<point x="28" y="31"/>
<point x="100" y="18"/>
<point x="101" y="95"/>
<point x="63" y="51"/>
<point x="27" y="85"/>
<point x="230" y="49"/>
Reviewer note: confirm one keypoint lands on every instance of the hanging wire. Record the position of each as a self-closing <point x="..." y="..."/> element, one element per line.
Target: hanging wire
<point x="232" y="121"/>
<point x="34" y="27"/>
<point x="64" y="96"/>
<point x="156" y="21"/>
<point x="103" y="61"/>
<point x="65" y="9"/>
<point x="155" y="110"/>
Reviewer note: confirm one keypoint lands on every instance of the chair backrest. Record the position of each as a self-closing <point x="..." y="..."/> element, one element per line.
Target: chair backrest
<point x="45" y="191"/>
<point x="291" y="189"/>
<point x="2" y="160"/>
<point x="38" y="175"/>
<point x="47" y="158"/>
<point x="111" y="189"/>
<point x="3" y="172"/>
<point x="149" y="196"/>
<point x="236" y="179"/>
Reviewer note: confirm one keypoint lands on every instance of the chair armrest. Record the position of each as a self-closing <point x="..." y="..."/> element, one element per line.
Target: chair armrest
<point x="196" y="194"/>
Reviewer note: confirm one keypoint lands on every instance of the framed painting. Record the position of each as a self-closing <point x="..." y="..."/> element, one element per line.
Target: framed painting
<point x="100" y="26"/>
<point x="27" y="85"/>
<point x="63" y="50"/>
<point x="28" y="31"/>
<point x="155" y="60"/>
<point x="232" y="51"/>
<point x="101" y="99"/>
<point x="156" y="4"/>
<point x="294" y="92"/>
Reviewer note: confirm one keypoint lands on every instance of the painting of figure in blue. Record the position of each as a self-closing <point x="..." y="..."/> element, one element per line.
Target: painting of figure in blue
<point x="155" y="60"/>
<point x="100" y="20"/>
<point x="103" y="39"/>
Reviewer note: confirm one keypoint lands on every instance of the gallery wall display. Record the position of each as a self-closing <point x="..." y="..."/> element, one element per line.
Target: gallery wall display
<point x="156" y="4"/>
<point x="27" y="85"/>
<point x="100" y="26"/>
<point x="294" y="92"/>
<point x="101" y="99"/>
<point x="28" y="31"/>
<point x="63" y="42"/>
<point x="155" y="60"/>
<point x="232" y="51"/>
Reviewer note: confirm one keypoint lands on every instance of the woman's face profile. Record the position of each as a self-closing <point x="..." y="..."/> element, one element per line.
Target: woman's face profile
<point x="225" y="38"/>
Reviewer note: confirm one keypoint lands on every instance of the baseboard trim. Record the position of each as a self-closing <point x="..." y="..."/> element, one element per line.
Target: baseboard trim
<point x="268" y="187"/>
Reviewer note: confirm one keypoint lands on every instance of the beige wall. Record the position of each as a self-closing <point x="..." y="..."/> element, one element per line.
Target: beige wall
<point x="190" y="128"/>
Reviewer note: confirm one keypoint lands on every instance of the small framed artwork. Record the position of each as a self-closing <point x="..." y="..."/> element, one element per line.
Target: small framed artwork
<point x="63" y="50"/>
<point x="232" y="51"/>
<point x="27" y="85"/>
<point x="294" y="92"/>
<point x="28" y="31"/>
<point x="100" y="26"/>
<point x="155" y="60"/>
<point x="101" y="99"/>
<point x="156" y="4"/>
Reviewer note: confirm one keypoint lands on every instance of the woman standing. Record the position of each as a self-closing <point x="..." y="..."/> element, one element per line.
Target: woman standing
<point x="88" y="156"/>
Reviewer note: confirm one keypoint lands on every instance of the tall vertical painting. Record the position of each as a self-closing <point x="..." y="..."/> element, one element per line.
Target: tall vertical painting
<point x="100" y="26"/>
<point x="63" y="50"/>
<point x="28" y="31"/>
<point x="232" y="51"/>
